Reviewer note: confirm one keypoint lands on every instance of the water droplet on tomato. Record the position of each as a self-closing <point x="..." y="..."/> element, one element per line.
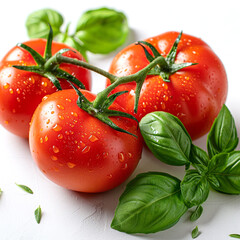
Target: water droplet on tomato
<point x="125" y="166"/>
<point x="74" y="114"/>
<point x="60" y="106"/>
<point x="130" y="155"/>
<point x="48" y="121"/>
<point x="93" y="138"/>
<point x="55" y="149"/>
<point x="6" y="85"/>
<point x="163" y="106"/>
<point x="86" y="149"/>
<point x="60" y="136"/>
<point x="10" y="90"/>
<point x="57" y="128"/>
<point x="121" y="157"/>
<point x="54" y="158"/>
<point x="109" y="176"/>
<point x="46" y="138"/>
<point x="71" y="165"/>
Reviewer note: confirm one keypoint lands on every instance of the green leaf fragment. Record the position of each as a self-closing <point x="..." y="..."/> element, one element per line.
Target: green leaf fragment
<point x="38" y="214"/>
<point x="25" y="188"/>
<point x="234" y="235"/>
<point x="195" y="232"/>
<point x="197" y="213"/>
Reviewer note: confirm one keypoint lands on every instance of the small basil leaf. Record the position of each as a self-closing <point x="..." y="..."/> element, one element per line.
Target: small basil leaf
<point x="197" y="213"/>
<point x="38" y="214"/>
<point x="195" y="232"/>
<point x="151" y="202"/>
<point x="224" y="169"/>
<point x="37" y="23"/>
<point x="166" y="137"/>
<point x="195" y="188"/>
<point x="102" y="30"/>
<point x="72" y="42"/>
<point x="223" y="134"/>
<point x="25" y="188"/>
<point x="198" y="156"/>
<point x="234" y="235"/>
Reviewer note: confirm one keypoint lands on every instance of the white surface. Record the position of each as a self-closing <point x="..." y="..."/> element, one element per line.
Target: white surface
<point x="71" y="215"/>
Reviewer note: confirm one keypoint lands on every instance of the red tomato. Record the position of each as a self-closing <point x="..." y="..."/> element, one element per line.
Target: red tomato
<point x="194" y="94"/>
<point x="76" y="150"/>
<point x="21" y="91"/>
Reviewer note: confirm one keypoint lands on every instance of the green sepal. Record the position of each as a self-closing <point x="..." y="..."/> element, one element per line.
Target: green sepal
<point x="48" y="66"/>
<point x="103" y="113"/>
<point x="65" y="75"/>
<point x="173" y="52"/>
<point x="36" y="56"/>
<point x="167" y="66"/>
<point x="53" y="79"/>
<point x="48" y="49"/>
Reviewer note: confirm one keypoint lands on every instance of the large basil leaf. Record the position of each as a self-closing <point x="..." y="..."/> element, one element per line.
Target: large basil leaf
<point x="102" y="30"/>
<point x="223" y="134"/>
<point x="166" y="137"/>
<point x="195" y="188"/>
<point x="37" y="23"/>
<point x="152" y="202"/>
<point x="224" y="172"/>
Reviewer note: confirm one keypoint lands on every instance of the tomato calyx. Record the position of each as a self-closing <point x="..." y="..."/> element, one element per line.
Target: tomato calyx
<point x="167" y="66"/>
<point x="47" y="66"/>
<point x="102" y="112"/>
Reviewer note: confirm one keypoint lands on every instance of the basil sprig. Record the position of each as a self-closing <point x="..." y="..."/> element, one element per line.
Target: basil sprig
<point x="156" y="201"/>
<point x="98" y="31"/>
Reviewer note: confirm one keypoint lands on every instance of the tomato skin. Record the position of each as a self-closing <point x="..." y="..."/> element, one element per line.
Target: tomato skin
<point x="194" y="94"/>
<point x="21" y="91"/>
<point x="76" y="150"/>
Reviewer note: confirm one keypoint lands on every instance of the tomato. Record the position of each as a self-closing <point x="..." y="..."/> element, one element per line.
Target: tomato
<point x="22" y="91"/>
<point x="194" y="94"/>
<point x="76" y="150"/>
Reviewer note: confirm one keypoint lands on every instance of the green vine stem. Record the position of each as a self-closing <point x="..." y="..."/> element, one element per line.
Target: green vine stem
<point x="99" y="108"/>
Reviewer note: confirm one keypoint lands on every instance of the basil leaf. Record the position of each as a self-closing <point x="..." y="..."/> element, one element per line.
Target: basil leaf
<point x="195" y="188"/>
<point x="166" y="137"/>
<point x="151" y="202"/>
<point x="195" y="232"/>
<point x="198" y="156"/>
<point x="38" y="214"/>
<point x="234" y="235"/>
<point x="223" y="134"/>
<point x="102" y="30"/>
<point x="37" y="23"/>
<point x="25" y="188"/>
<point x="224" y="168"/>
<point x="72" y="42"/>
<point x="197" y="213"/>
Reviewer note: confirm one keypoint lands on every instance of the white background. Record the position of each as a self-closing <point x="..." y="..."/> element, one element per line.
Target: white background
<point x="71" y="215"/>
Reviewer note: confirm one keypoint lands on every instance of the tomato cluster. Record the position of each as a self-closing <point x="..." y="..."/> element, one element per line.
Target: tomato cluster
<point x="89" y="149"/>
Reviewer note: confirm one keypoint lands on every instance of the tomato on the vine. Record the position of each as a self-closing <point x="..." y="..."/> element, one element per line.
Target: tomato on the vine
<point x="194" y="94"/>
<point x="21" y="91"/>
<point x="78" y="151"/>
